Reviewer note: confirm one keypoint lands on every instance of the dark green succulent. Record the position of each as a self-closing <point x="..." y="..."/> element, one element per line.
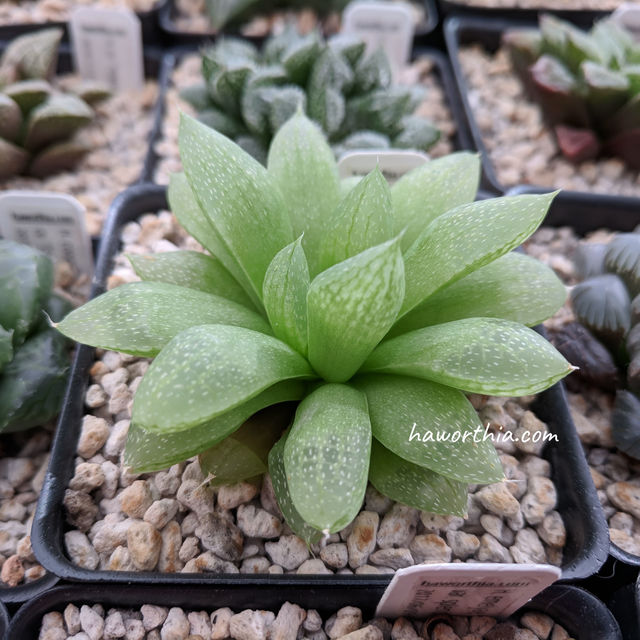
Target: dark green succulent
<point x="37" y="123"/>
<point x="248" y="95"/>
<point x="33" y="357"/>
<point x="587" y="85"/>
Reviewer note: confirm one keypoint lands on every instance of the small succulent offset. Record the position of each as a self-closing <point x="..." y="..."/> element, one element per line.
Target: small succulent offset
<point x="374" y="311"/>
<point x="37" y="123"/>
<point x="607" y="303"/>
<point x="587" y="85"/>
<point x="247" y="95"/>
<point x="34" y="358"/>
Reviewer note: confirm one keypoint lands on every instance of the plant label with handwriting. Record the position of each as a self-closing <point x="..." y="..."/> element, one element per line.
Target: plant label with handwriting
<point x="392" y="164"/>
<point x="107" y="46"/>
<point x="383" y="25"/>
<point x="481" y="589"/>
<point x="50" y="222"/>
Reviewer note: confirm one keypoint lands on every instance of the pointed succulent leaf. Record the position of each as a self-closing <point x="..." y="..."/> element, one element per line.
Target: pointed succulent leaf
<point x="589" y="259"/>
<point x="361" y="220"/>
<point x="92" y="91"/>
<point x="613" y="42"/>
<point x="380" y="110"/>
<point x="432" y="189"/>
<point x="207" y="370"/>
<point x="283" y="496"/>
<point x="32" y="385"/>
<point x="524" y="47"/>
<point x="466" y="238"/>
<point x="221" y="122"/>
<point x="602" y="304"/>
<point x="416" y="133"/>
<point x="220" y="12"/>
<point x="244" y="454"/>
<point x="191" y="216"/>
<point x="415" y="486"/>
<point x="255" y="104"/>
<point x="430" y="425"/>
<point x="226" y="87"/>
<point x="60" y="156"/>
<point x="190" y="269"/>
<point x="479" y="355"/>
<point x="607" y="91"/>
<point x="299" y="57"/>
<point x="301" y="164"/>
<point x="284" y="103"/>
<point x="326" y="456"/>
<point x="577" y="144"/>
<point x="26" y="279"/>
<point x="328" y="108"/>
<point x="254" y="147"/>
<point x="625" y="423"/>
<point x="6" y="346"/>
<point x="140" y="318"/>
<point x="13" y="159"/>
<point x="347" y="184"/>
<point x="351" y="306"/>
<point x="238" y="197"/>
<point x="581" y="48"/>
<point x="514" y="287"/>
<point x="285" y="288"/>
<point x="28" y="94"/>
<point x="197" y="96"/>
<point x="623" y="258"/>
<point x="373" y="72"/>
<point x="10" y="118"/>
<point x="148" y="451"/>
<point x="32" y="55"/>
<point x="349" y="47"/>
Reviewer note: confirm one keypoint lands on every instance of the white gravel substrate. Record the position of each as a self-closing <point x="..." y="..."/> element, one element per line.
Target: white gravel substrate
<point x="291" y="622"/>
<point x="172" y="521"/>
<point x="119" y="140"/>
<point x="521" y="148"/>
<point x="616" y="476"/>
<point x="187" y="73"/>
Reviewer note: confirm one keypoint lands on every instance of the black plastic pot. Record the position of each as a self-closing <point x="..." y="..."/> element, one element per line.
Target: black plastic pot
<point x="174" y="36"/>
<point x="625" y="606"/>
<point x="149" y="22"/>
<point x="460" y="31"/>
<point x="4" y="621"/>
<point x="587" y="534"/>
<point x="581" y="17"/>
<point x="582" y="614"/>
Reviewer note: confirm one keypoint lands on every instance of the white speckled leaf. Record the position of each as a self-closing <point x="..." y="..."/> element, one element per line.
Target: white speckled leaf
<point x="415" y="486"/>
<point x="148" y="451"/>
<point x="466" y="238"/>
<point x="6" y="346"/>
<point x="351" y="306"/>
<point x="189" y="214"/>
<point x="281" y="490"/>
<point x="326" y="456"/>
<point x="418" y="420"/>
<point x="432" y="189"/>
<point x="514" y="287"/>
<point x="190" y="269"/>
<point x="479" y="355"/>
<point x="363" y="219"/>
<point x="238" y="197"/>
<point x="208" y="370"/>
<point x="301" y="163"/>
<point x="244" y="454"/>
<point x="140" y="318"/>
<point x="285" y="295"/>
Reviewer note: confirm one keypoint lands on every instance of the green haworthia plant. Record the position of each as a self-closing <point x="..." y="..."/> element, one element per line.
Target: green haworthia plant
<point x="33" y="357"/>
<point x="586" y="83"/>
<point x="607" y="303"/>
<point x="248" y="95"/>
<point x="38" y="123"/>
<point x="374" y="311"/>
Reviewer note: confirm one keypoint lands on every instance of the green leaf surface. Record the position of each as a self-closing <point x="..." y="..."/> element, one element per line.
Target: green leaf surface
<point x="208" y="370"/>
<point x="244" y="454"/>
<point x="283" y="496"/>
<point x="301" y="163"/>
<point x="190" y="269"/>
<point x="363" y="219"/>
<point x="514" y="287"/>
<point x="6" y="346"/>
<point x="148" y="451"/>
<point x="415" y="486"/>
<point x="285" y="288"/>
<point x="466" y="238"/>
<point x="326" y="456"/>
<point x="351" y="306"/>
<point x="190" y="215"/>
<point x="430" y="425"/>
<point x="140" y="318"/>
<point x="432" y="189"/>
<point x="238" y="197"/>
<point x="479" y="355"/>
<point x="26" y="278"/>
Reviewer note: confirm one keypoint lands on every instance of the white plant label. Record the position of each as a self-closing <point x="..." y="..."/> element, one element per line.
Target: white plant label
<point x="627" y="15"/>
<point x="107" y="46"/>
<point x="393" y="164"/>
<point x="464" y="589"/>
<point x="54" y="223"/>
<point x="389" y="25"/>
